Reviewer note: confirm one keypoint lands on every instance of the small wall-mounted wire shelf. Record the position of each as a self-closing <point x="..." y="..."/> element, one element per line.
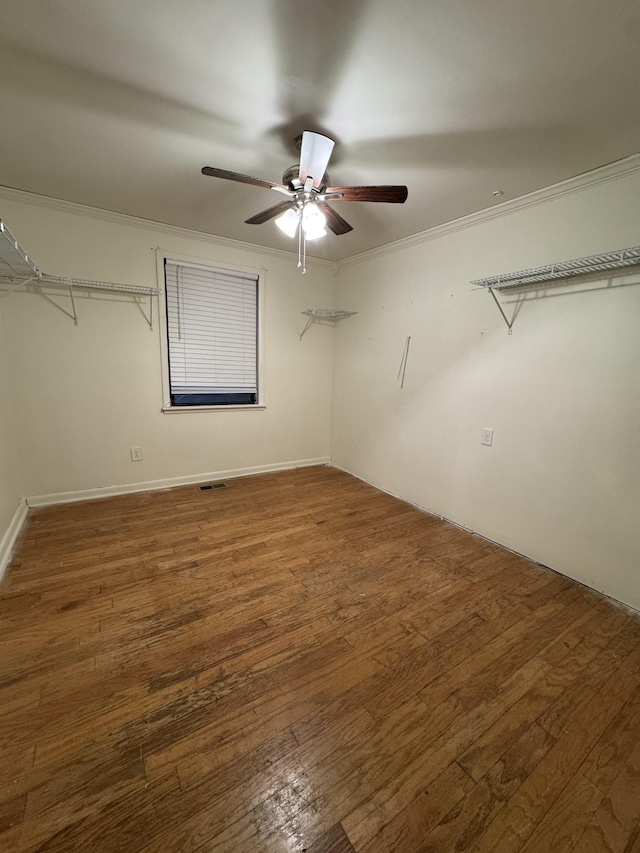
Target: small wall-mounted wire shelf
<point x="17" y="270"/>
<point x="324" y="315"/>
<point x="604" y="262"/>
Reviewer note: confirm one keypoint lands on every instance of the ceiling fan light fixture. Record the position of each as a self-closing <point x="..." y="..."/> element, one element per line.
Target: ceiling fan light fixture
<point x="288" y="222"/>
<point x="305" y="214"/>
<point x="313" y="221"/>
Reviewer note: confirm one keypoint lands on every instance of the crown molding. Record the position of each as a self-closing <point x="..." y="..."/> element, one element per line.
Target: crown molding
<point x="24" y="197"/>
<point x="603" y="174"/>
<point x="610" y="172"/>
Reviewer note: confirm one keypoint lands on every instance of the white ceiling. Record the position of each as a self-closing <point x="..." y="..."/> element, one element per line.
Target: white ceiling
<point x="119" y="103"/>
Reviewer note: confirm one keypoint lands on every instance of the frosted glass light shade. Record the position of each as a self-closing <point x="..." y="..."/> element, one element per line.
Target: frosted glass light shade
<point x="288" y="221"/>
<point x="313" y="222"/>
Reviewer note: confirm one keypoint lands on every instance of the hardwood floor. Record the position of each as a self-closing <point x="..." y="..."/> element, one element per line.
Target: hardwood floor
<point x="300" y="662"/>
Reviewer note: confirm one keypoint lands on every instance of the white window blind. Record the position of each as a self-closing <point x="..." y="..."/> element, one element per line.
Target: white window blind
<point x="212" y="317"/>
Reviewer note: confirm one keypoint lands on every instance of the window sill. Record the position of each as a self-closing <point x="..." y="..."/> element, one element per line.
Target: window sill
<point x="179" y="410"/>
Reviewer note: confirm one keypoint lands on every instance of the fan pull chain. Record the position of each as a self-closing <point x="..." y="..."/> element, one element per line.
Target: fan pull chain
<point x="302" y="249"/>
<point x="304" y="252"/>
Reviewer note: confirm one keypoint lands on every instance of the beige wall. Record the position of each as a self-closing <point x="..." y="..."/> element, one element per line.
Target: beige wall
<point x="561" y="482"/>
<point x="85" y="394"/>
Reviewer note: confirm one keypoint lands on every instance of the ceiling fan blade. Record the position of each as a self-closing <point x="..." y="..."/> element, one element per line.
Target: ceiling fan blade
<point x="315" y="153"/>
<point x="242" y="179"/>
<point x="392" y="194"/>
<point x="335" y="222"/>
<point x="269" y="213"/>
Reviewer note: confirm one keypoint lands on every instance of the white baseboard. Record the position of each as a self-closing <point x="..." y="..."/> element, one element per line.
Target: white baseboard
<point x="152" y="485"/>
<point x="10" y="537"/>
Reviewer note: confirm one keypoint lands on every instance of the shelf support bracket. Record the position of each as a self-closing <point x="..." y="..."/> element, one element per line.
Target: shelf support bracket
<point x="504" y="316"/>
<point x="307" y="327"/>
<point x="73" y="303"/>
<point x="18" y="286"/>
<point x="140" y="305"/>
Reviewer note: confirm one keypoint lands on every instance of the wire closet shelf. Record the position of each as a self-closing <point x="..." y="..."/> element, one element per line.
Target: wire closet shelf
<point x="19" y="270"/>
<point x="567" y="269"/>
<point x="621" y="259"/>
<point x="326" y="315"/>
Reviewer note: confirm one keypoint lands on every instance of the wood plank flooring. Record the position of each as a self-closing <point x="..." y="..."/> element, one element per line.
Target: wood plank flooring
<point x="299" y="662"/>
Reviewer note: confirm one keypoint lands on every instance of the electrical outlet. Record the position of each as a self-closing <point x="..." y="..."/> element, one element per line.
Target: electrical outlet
<point x="486" y="436"/>
<point x="136" y="454"/>
<point x="19" y="498"/>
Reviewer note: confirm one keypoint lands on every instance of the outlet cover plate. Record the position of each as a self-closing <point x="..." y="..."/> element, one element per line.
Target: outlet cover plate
<point x="486" y="436"/>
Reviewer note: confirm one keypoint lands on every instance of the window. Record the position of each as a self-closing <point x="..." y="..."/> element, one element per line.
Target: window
<point x="212" y="335"/>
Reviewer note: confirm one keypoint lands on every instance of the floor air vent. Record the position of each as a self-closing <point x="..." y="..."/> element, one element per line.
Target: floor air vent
<point x="211" y="486"/>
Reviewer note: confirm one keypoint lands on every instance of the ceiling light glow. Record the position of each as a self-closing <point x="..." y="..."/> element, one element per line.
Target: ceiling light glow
<point x="288" y="222"/>
<point x="313" y="222"/>
<point x="307" y="221"/>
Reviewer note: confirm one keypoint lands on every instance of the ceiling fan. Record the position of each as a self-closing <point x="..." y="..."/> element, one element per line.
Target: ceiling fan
<point x="305" y="210"/>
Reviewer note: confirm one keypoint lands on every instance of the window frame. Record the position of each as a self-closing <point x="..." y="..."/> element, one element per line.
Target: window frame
<point x="207" y="263"/>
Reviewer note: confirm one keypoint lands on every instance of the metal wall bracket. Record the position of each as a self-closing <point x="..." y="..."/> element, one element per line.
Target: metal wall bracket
<point x="325" y="316"/>
<point x="73" y="303"/>
<point x="20" y="284"/>
<point x="501" y="310"/>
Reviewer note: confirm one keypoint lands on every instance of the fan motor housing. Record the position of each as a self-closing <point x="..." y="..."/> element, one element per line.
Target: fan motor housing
<point x="291" y="178"/>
